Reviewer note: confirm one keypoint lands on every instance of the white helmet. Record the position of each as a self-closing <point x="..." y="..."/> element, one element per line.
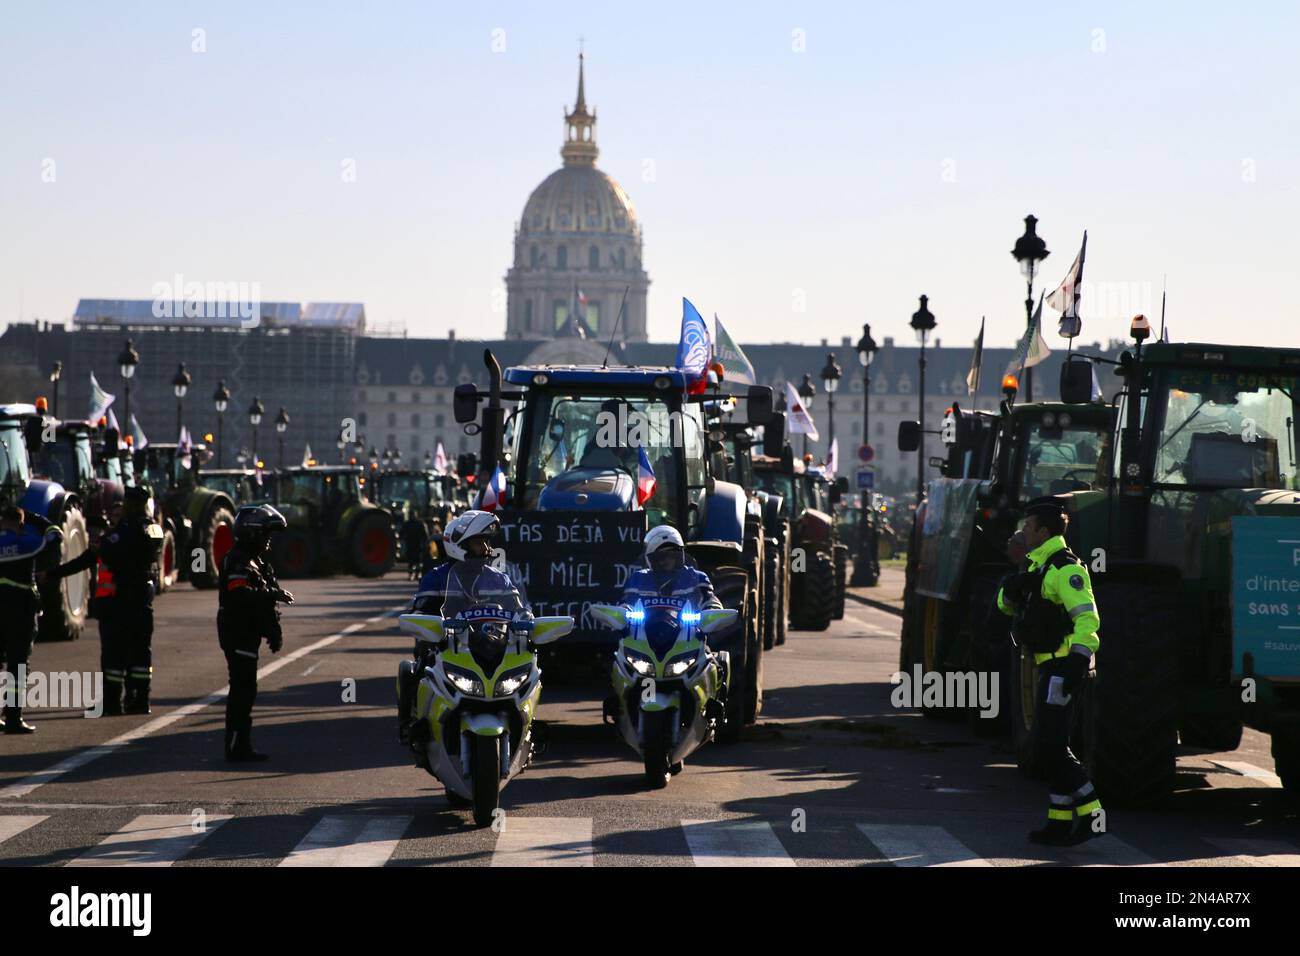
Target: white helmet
<point x="470" y="524"/>
<point x="664" y="536"/>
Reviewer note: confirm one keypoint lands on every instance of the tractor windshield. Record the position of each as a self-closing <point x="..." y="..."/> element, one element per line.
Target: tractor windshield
<point x="1059" y="455"/>
<point x="1225" y="429"/>
<point x="411" y="489"/>
<point x="14" y="468"/>
<point x="568" y="431"/>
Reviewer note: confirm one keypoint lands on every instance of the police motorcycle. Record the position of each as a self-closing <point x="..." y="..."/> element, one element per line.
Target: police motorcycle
<point x="669" y="688"/>
<point x="475" y="704"/>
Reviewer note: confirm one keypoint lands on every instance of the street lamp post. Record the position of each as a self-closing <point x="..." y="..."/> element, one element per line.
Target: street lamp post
<point x="56" y="373"/>
<point x="830" y="375"/>
<point x="866" y="569"/>
<point x="807" y="391"/>
<point x="180" y="385"/>
<point x="924" y="323"/>
<point x="255" y="413"/>
<point x="220" y="399"/>
<point x="1029" y="251"/>
<point x="281" y="426"/>
<point x="127" y="360"/>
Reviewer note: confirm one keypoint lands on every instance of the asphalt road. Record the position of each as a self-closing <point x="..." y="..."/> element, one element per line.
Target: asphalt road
<point x="832" y="774"/>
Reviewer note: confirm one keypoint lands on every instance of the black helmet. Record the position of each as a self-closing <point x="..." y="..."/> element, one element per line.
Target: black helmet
<point x="257" y="522"/>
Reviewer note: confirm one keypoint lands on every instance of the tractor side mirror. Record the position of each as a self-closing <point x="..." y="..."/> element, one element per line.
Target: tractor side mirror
<point x="1076" y="381"/>
<point x="758" y="405"/>
<point x="774" y="435"/>
<point x="464" y="403"/>
<point x="909" y="436"/>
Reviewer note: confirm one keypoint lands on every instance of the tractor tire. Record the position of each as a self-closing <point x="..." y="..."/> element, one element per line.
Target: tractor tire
<point x="372" y="549"/>
<point x="731" y="585"/>
<point x="1135" y="695"/>
<point x="1210" y="732"/>
<point x="783" y="615"/>
<point x="771" y="596"/>
<point x="1286" y="758"/>
<point x="292" y="554"/>
<point x="753" y="704"/>
<point x="168" y="572"/>
<point x="816" y="605"/>
<point x="840" y="559"/>
<point x="66" y="604"/>
<point x="216" y="538"/>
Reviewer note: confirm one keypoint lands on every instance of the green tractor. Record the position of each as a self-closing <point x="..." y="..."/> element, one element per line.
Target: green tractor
<point x="241" y="485"/>
<point x="995" y="463"/>
<point x="410" y="493"/>
<point x="333" y="527"/>
<point x="1194" y="548"/>
<point x="198" y="521"/>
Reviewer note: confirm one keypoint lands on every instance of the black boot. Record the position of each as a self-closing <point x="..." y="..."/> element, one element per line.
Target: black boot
<point x="137" y="698"/>
<point x="239" y="748"/>
<point x="112" y="698"/>
<point x="14" y="723"/>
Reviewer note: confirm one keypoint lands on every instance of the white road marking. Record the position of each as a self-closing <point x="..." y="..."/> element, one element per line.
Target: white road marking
<point x="11" y="826"/>
<point x="27" y="785"/>
<point x="915" y="845"/>
<point x="1258" y="852"/>
<point x="1107" y="850"/>
<point x="734" y="843"/>
<point x="149" y="840"/>
<point x="1250" y="770"/>
<point x="349" y="840"/>
<point x="544" y="841"/>
<point x="308" y="671"/>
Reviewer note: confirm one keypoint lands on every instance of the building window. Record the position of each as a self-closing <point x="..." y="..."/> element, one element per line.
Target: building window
<point x="361" y="419"/>
<point x="415" y="443"/>
<point x="562" y="258"/>
<point x="528" y="314"/>
<point x="392" y="442"/>
<point x="593" y="259"/>
<point x="533" y="257"/>
<point x="415" y="398"/>
<point x="392" y="419"/>
<point x="392" y="398"/>
<point x="415" y="420"/>
<point x="362" y="396"/>
<point x="439" y="420"/>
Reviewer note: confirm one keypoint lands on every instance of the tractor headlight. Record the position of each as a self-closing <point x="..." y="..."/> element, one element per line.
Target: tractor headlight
<point x="511" y="681"/>
<point x="464" y="681"/>
<point x="638" y="662"/>
<point x="681" y="664"/>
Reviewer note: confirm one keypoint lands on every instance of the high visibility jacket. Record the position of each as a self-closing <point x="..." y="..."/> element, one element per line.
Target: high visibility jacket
<point x="1065" y="583"/>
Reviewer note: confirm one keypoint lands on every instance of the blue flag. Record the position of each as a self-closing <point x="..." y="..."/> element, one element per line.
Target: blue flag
<point x="694" y="348"/>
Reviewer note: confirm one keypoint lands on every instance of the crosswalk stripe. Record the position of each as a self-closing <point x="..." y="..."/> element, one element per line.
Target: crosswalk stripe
<point x="544" y="841"/>
<point x="1265" y="777"/>
<point x="1259" y="852"/>
<point x="149" y="840"/>
<point x="734" y="843"/>
<point x="11" y="826"/>
<point x="1108" y="850"/>
<point x="349" y="840"/>
<point x="916" y="845"/>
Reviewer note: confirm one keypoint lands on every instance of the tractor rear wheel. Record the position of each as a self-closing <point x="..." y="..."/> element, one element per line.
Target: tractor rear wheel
<point x="816" y="605"/>
<point x="371" y="545"/>
<point x="215" y="539"/>
<point x="65" y="604"/>
<point x="771" y="595"/>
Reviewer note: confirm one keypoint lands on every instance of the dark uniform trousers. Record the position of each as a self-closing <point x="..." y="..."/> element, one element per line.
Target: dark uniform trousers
<point x="246" y="615"/>
<point x="1066" y="776"/>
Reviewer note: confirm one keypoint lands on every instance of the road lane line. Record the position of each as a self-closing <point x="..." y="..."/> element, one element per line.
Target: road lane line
<point x="149" y="840"/>
<point x="544" y="841"/>
<point x="1249" y="770"/>
<point x="1259" y="852"/>
<point x="27" y="785"/>
<point x="734" y="843"/>
<point x="11" y="826"/>
<point x="349" y="840"/>
<point x="915" y="845"/>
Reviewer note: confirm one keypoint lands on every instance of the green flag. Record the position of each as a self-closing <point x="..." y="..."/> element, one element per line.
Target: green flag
<point x="727" y="351"/>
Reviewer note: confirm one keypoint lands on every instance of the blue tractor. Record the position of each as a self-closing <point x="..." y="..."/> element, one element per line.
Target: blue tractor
<point x="578" y="451"/>
<point x="64" y="604"/>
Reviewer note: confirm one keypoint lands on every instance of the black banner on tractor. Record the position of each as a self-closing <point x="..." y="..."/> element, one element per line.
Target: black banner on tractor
<point x="566" y="561"/>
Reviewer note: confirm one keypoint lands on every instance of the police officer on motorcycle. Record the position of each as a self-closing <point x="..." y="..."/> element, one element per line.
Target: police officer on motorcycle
<point x="470" y="576"/>
<point x="668" y="574"/>
<point x="130" y="551"/>
<point x="248" y="594"/>
<point x="26" y="541"/>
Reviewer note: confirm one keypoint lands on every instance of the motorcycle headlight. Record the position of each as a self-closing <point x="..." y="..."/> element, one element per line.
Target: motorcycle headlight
<point x="638" y="662"/>
<point x="681" y="664"/>
<point x="511" y="681"/>
<point x="464" y="681"/>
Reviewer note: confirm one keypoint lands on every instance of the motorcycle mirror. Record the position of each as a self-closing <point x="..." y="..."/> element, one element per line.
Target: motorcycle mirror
<point x="549" y="629"/>
<point x="423" y="627"/>
<point x="613" y="616"/>
<point x="717" y="620"/>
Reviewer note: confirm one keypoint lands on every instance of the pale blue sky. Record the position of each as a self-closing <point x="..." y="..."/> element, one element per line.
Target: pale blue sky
<point x="895" y="155"/>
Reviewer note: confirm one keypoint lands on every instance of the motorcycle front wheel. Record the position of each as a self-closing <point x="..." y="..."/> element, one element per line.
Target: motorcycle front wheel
<point x="487" y="778"/>
<point x="656" y="749"/>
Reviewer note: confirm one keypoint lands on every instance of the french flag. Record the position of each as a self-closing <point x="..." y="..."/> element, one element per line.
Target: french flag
<point x="645" y="477"/>
<point x="493" y="495"/>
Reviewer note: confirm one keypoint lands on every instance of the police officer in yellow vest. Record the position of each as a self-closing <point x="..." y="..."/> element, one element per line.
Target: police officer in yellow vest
<point x="1056" y="620"/>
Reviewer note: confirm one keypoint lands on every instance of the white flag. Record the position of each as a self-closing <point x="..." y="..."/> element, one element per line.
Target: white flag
<point x="1032" y="349"/>
<point x="833" y="458"/>
<point x="306" y="454"/>
<point x="139" y="441"/>
<point x="800" y="420"/>
<point x="1066" y="297"/>
<point x="440" y="460"/>
<point x="185" y="448"/>
<point x="99" y="401"/>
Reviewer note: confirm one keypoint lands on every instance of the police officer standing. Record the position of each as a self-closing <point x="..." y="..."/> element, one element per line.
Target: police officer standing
<point x="247" y="614"/>
<point x="130" y="552"/>
<point x="26" y="540"/>
<point x="1056" y="620"/>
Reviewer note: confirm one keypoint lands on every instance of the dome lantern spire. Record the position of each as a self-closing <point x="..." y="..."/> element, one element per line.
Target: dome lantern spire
<point x="579" y="147"/>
